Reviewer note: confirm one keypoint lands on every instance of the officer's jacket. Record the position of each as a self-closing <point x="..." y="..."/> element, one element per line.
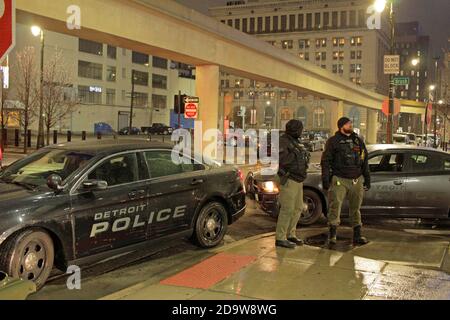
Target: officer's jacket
<point x="345" y="157"/>
<point x="294" y="158"/>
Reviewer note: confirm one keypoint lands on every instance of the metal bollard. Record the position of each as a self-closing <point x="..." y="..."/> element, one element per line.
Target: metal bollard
<point x="29" y="139"/>
<point x="4" y="138"/>
<point x="99" y="136"/>
<point x="55" y="136"/>
<point x="83" y="135"/>
<point x="16" y="137"/>
<point x="69" y="136"/>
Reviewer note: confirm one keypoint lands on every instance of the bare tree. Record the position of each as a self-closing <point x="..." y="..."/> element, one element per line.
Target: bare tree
<point x="58" y="99"/>
<point x="26" y="84"/>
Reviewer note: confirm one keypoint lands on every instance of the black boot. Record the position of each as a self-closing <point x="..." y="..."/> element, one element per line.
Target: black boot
<point x="285" y="244"/>
<point x="332" y="235"/>
<point x="358" y="239"/>
<point x="297" y="241"/>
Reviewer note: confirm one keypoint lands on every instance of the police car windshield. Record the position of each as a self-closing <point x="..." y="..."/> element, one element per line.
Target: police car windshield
<point x="35" y="169"/>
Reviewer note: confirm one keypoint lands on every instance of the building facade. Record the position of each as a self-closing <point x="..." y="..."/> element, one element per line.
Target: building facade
<point x="333" y="35"/>
<point x="101" y="77"/>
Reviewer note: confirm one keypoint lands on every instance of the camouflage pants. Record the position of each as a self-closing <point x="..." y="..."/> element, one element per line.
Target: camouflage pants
<point x="291" y="200"/>
<point x="341" y="189"/>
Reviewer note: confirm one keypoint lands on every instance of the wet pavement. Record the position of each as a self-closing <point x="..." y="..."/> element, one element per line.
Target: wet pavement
<point x="404" y="260"/>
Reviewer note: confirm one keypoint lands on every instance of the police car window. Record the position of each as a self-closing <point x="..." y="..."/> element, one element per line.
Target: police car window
<point x="117" y="170"/>
<point x="421" y="163"/>
<point x="35" y="169"/>
<point x="391" y="162"/>
<point x="160" y="164"/>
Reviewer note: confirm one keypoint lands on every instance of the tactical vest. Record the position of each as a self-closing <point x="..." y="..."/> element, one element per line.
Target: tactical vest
<point x="349" y="153"/>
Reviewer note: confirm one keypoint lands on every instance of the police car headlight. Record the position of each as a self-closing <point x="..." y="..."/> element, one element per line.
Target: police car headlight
<point x="270" y="187"/>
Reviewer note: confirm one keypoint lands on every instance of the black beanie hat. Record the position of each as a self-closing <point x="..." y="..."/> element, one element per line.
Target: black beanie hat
<point x="343" y="121"/>
<point x="294" y="128"/>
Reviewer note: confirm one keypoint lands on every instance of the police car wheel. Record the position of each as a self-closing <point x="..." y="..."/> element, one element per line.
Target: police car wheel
<point x="28" y="255"/>
<point x="211" y="225"/>
<point x="314" y="212"/>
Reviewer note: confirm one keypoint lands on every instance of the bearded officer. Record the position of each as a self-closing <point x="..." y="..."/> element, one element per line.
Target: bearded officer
<point x="345" y="173"/>
<point x="293" y="164"/>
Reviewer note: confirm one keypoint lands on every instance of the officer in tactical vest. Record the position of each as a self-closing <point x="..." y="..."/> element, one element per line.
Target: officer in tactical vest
<point x="345" y="173"/>
<point x="293" y="164"/>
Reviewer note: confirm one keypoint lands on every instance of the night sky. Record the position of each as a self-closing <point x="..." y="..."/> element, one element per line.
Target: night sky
<point x="433" y="15"/>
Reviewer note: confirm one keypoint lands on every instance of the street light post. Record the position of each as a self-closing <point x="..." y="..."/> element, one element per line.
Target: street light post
<point x="380" y="6"/>
<point x="38" y="32"/>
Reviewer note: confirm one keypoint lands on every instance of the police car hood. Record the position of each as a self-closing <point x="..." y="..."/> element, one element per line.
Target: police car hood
<point x="11" y="194"/>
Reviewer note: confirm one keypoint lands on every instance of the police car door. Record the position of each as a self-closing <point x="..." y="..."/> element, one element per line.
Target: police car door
<point x="174" y="193"/>
<point x="388" y="179"/>
<point x="115" y="216"/>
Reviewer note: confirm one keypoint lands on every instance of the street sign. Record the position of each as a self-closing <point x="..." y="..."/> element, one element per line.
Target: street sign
<point x="401" y="81"/>
<point x="391" y="64"/>
<point x="7" y="27"/>
<point x="191" y="100"/>
<point x="191" y="110"/>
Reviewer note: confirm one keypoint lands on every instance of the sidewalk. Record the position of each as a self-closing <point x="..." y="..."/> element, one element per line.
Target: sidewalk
<point x="395" y="265"/>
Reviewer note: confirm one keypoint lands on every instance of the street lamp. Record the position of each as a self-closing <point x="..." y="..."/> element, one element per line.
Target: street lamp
<point x="415" y="62"/>
<point x="39" y="32"/>
<point x="380" y="6"/>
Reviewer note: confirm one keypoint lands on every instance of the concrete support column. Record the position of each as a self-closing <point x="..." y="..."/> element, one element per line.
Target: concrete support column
<point x="372" y="126"/>
<point x="337" y="112"/>
<point x="207" y="85"/>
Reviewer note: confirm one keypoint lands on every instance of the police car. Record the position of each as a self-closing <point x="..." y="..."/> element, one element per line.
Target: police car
<point x="75" y="204"/>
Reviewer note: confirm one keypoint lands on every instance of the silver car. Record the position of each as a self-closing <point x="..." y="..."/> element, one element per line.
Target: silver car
<point x="407" y="181"/>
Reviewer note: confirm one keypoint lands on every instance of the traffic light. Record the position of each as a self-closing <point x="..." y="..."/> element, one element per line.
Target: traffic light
<point x="178" y="103"/>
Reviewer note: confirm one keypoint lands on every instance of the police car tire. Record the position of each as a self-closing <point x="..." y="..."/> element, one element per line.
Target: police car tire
<point x="199" y="225"/>
<point x="315" y="197"/>
<point x="12" y="250"/>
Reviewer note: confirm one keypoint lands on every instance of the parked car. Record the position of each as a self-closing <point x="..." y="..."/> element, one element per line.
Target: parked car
<point x="125" y="131"/>
<point x="407" y="181"/>
<point x="103" y="128"/>
<point x="158" y="128"/>
<point x="80" y="203"/>
<point x="401" y="139"/>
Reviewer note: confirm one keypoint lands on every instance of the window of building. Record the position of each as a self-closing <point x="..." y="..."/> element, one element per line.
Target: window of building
<point x="267" y="25"/>
<point x="90" y="70"/>
<point x="309" y="21"/>
<point x="317" y="22"/>
<point x="335" y="55"/>
<point x="334" y="19"/>
<point x="292" y="22"/>
<point x="245" y="25"/>
<point x="230" y="22"/>
<point x="252" y="25"/>
<point x="301" y="55"/>
<point x="112" y="52"/>
<point x="140" y="58"/>
<point x="356" y="41"/>
<point x="124" y="73"/>
<point x="304" y="43"/>
<point x="90" y="95"/>
<point x="362" y="18"/>
<point x="335" y="68"/>
<point x="271" y="42"/>
<point x="301" y="21"/>
<point x="91" y="47"/>
<point x="111" y="73"/>
<point x="341" y="55"/>
<point x="160" y="63"/>
<point x="326" y="20"/>
<point x="319" y="117"/>
<point x="159" y="81"/>
<point x="338" y="42"/>
<point x="352" y="18"/>
<point x="159" y="102"/>
<point x="344" y="22"/>
<point x="275" y="23"/>
<point x="287" y="44"/>
<point x="322" y="42"/>
<point x="307" y="56"/>
<point x="140" y="78"/>
<point x="237" y="24"/>
<point x="340" y="68"/>
<point x="141" y="99"/>
<point x="283" y="23"/>
<point x="259" y="28"/>
<point x="359" y="54"/>
<point x="110" y="97"/>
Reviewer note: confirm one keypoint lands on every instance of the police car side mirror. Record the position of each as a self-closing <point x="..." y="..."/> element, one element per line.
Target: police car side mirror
<point x="54" y="182"/>
<point x="95" y="185"/>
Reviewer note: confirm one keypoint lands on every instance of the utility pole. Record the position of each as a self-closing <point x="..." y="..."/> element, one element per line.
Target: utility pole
<point x="130" y="130"/>
<point x="436" y="98"/>
<point x="390" y="118"/>
<point x="40" y="138"/>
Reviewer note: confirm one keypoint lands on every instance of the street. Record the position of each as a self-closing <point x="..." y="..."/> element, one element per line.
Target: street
<point x="405" y="260"/>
